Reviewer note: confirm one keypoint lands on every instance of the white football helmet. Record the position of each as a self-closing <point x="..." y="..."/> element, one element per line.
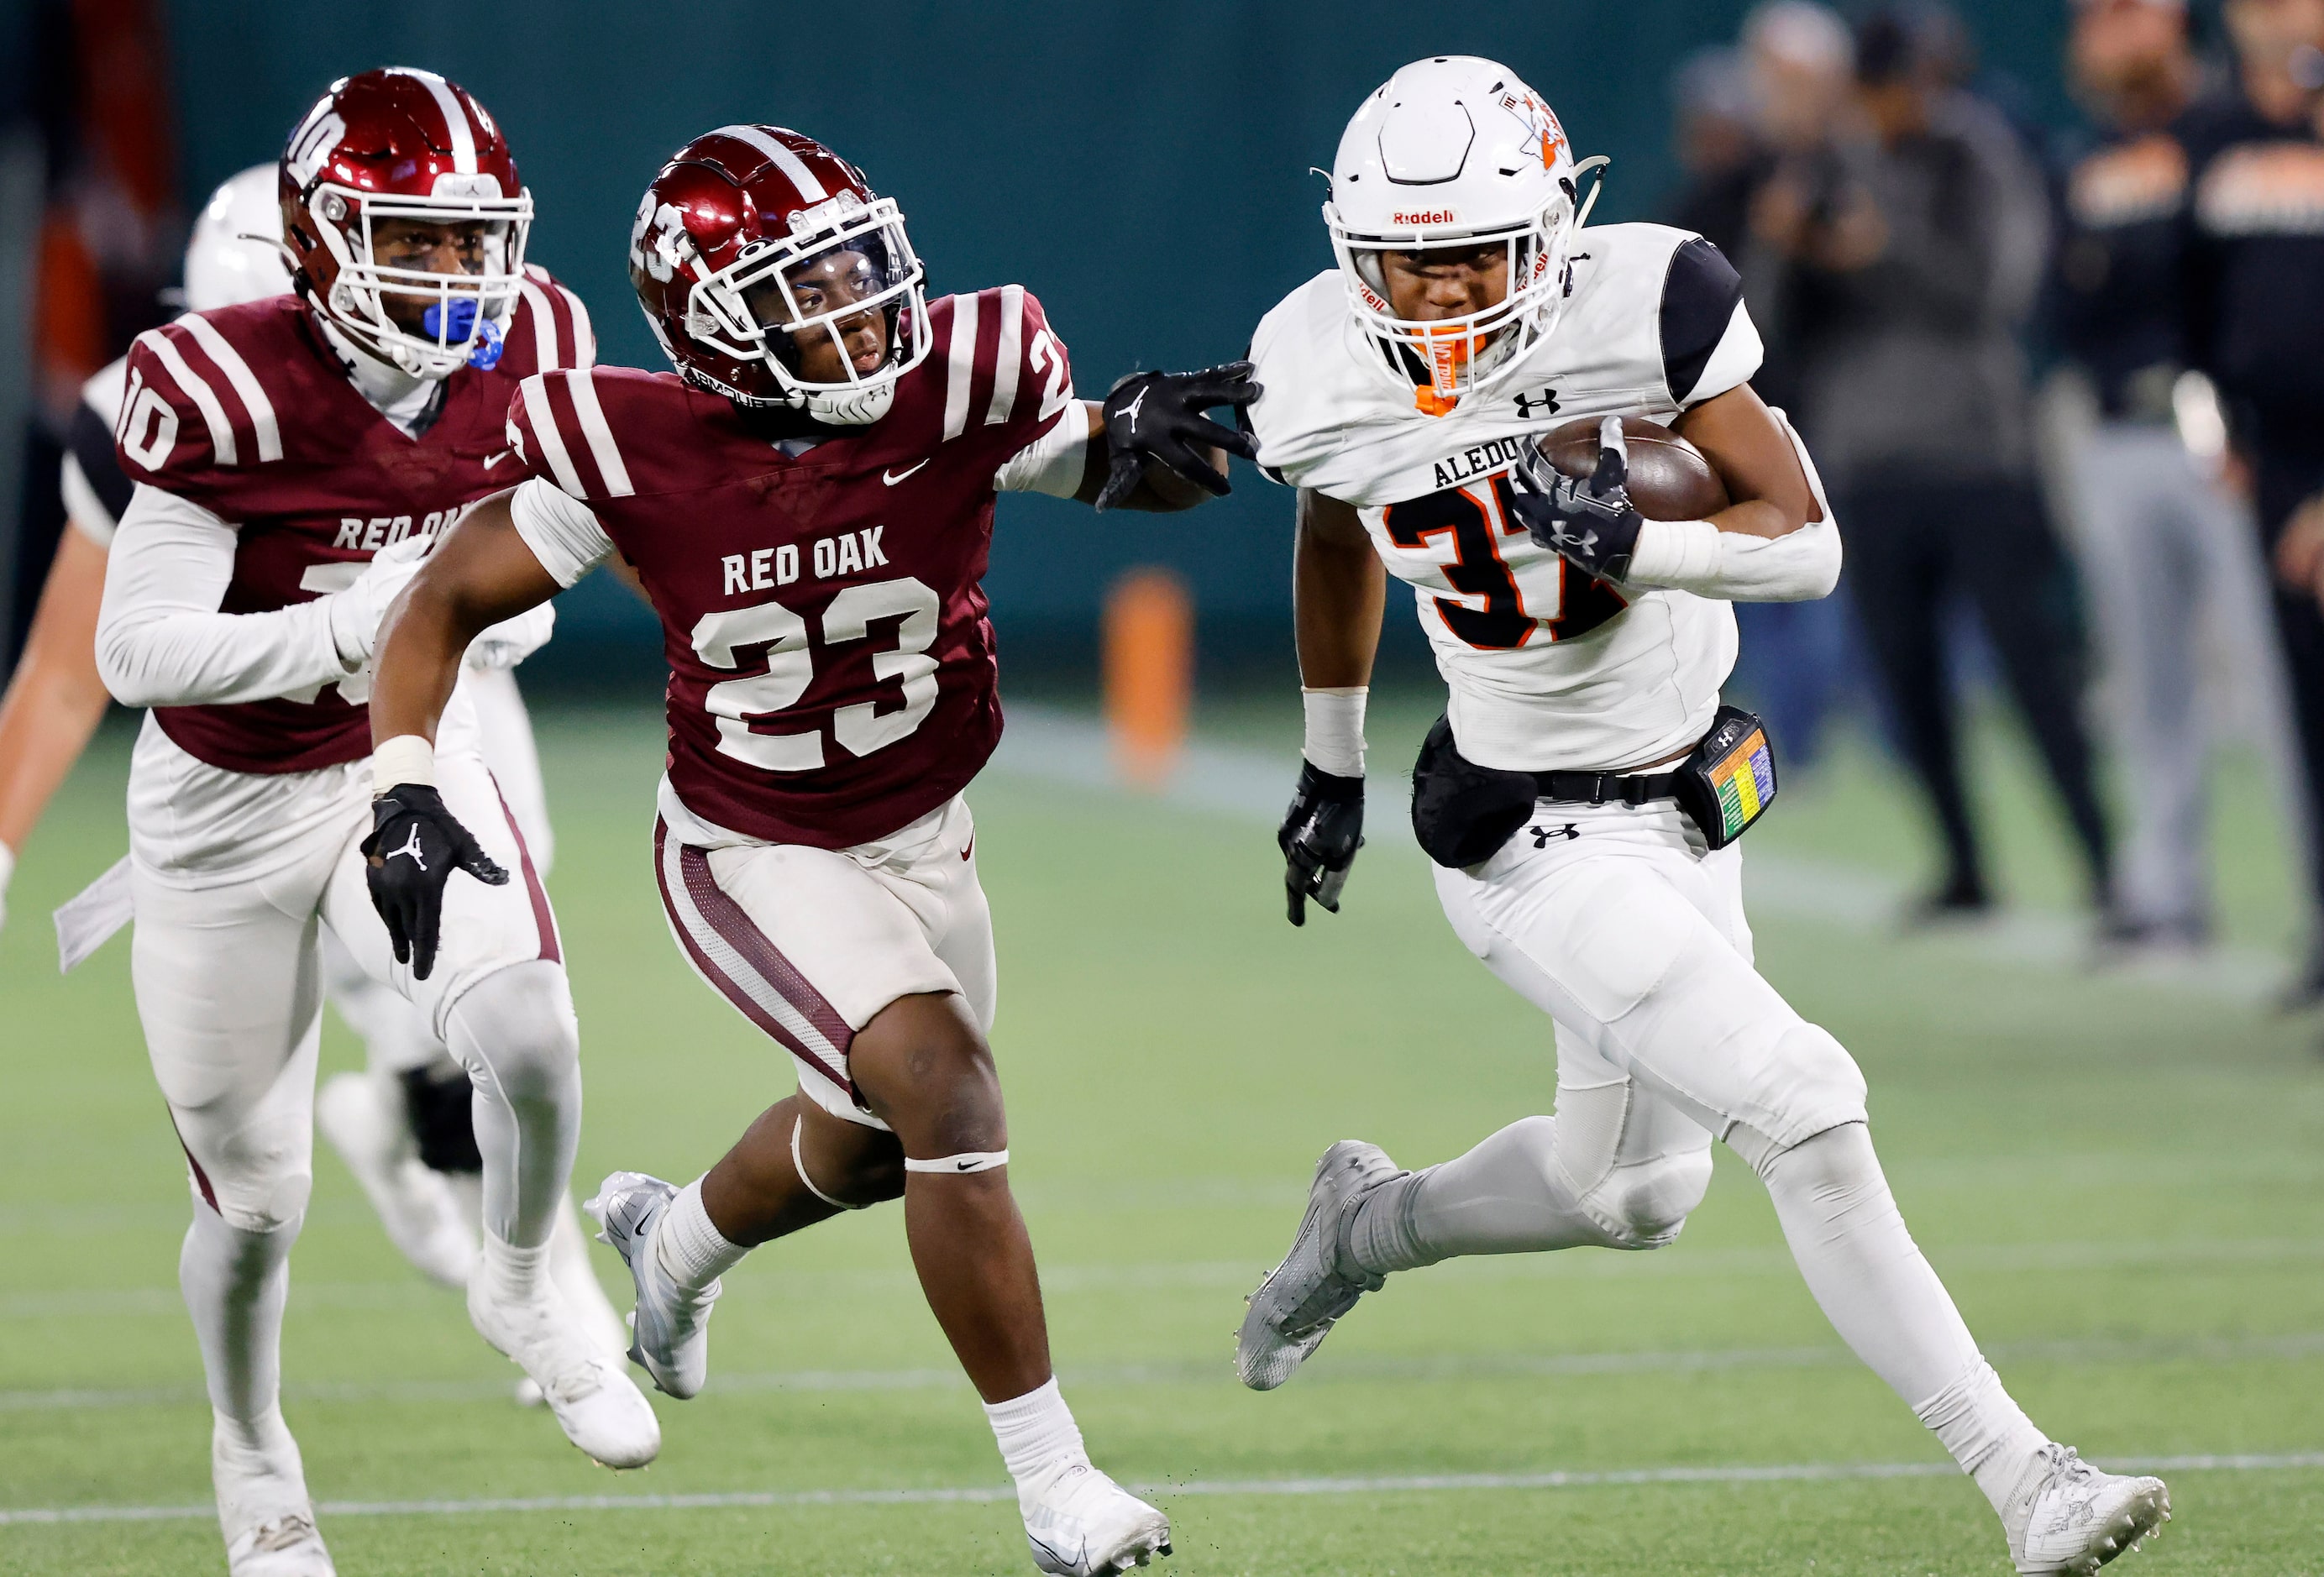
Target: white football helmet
<point x="1456" y="152"/>
<point x="236" y="251"/>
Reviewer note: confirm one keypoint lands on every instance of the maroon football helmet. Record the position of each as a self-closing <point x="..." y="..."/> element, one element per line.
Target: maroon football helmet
<point x="399" y="143"/>
<point x="753" y="243"/>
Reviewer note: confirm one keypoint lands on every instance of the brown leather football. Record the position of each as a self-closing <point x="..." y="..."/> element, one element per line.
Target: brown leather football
<point x="1669" y="478"/>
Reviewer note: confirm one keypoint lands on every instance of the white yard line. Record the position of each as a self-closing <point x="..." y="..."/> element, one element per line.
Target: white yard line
<point x="2293" y="1347"/>
<point x="1402" y="1484"/>
<point x="1067" y="747"/>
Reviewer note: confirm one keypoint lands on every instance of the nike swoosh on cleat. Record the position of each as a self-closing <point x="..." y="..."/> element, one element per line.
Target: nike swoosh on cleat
<point x="893" y="477"/>
<point x="965" y="854"/>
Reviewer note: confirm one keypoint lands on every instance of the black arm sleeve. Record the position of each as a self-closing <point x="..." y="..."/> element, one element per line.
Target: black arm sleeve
<point x="91" y="440"/>
<point x="1700" y="296"/>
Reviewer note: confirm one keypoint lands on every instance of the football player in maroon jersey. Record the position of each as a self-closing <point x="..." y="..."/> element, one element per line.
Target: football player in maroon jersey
<point x="403" y="1124"/>
<point x="809" y="503"/>
<point x="293" y="456"/>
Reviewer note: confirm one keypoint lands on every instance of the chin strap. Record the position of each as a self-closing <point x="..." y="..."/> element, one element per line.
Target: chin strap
<point x="1597" y="162"/>
<point x="966" y="1161"/>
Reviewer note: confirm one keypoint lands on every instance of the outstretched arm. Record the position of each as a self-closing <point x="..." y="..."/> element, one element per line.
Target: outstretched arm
<point x="1339" y="589"/>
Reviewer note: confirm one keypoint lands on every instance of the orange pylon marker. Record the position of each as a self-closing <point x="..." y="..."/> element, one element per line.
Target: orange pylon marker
<point x="1149" y="674"/>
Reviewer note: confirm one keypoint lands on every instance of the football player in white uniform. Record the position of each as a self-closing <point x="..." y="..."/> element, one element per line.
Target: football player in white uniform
<point x="408" y="1106"/>
<point x="1584" y="648"/>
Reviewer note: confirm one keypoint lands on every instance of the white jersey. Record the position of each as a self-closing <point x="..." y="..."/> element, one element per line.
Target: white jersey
<point x="1548" y="669"/>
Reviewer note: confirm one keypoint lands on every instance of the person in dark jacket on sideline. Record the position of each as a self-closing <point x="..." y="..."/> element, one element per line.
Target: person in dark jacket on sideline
<point x="1919" y="246"/>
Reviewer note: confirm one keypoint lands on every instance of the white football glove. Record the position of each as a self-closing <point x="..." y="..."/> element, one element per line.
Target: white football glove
<point x="511" y="641"/>
<point x="7" y="870"/>
<point x="355" y="613"/>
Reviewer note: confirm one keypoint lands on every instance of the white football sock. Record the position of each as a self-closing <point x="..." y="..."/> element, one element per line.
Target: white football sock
<point x="255" y="1468"/>
<point x="1505" y="1196"/>
<point x="568" y="1266"/>
<point x="692" y="1250"/>
<point x="234" y="1284"/>
<point x="1881" y="1294"/>
<point x="515" y="1033"/>
<point x="1037" y="1435"/>
<point x="514" y="1275"/>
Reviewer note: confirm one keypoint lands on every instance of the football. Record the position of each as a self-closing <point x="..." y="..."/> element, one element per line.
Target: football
<point x="1669" y="478"/>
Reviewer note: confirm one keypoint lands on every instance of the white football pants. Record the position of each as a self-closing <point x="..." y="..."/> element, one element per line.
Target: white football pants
<point x="1615" y="922"/>
<point x="810" y="944"/>
<point x="226" y="973"/>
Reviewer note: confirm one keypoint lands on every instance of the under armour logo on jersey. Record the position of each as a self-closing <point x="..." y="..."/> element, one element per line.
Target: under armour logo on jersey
<point x="1542" y="835"/>
<point x="1530" y="405"/>
<point x="412" y="847"/>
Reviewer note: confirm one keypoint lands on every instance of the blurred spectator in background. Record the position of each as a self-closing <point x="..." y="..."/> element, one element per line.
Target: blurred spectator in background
<point x="2169" y="557"/>
<point x="1918" y="241"/>
<point x="2256" y="321"/>
<point x="1718" y="150"/>
<point x="1744" y="115"/>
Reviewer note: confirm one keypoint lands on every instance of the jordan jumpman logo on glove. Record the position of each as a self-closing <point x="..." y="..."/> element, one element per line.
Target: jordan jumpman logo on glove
<point x="409" y="898"/>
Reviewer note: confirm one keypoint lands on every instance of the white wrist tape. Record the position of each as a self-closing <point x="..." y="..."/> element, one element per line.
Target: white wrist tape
<point x="406" y="758"/>
<point x="1695" y="556"/>
<point x="1671" y="552"/>
<point x="799" y="1165"/>
<point x="966" y="1161"/>
<point x="7" y="865"/>
<point x="1334" y="742"/>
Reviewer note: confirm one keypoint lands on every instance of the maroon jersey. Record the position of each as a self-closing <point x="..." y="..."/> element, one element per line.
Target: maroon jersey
<point x="831" y="668"/>
<point x="247" y="411"/>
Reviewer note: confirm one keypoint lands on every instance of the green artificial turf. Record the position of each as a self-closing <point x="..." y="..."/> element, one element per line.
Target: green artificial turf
<point x="2122" y="1182"/>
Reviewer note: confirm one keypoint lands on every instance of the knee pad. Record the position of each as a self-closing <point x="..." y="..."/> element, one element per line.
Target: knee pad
<point x="516" y="1028"/>
<point x="1642" y="1205"/>
<point x="260" y="1200"/>
<point x="1636" y="1171"/>
<point x="1823" y="1087"/>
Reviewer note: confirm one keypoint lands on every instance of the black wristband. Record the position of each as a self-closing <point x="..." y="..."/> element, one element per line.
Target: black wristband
<point x="1328" y="786"/>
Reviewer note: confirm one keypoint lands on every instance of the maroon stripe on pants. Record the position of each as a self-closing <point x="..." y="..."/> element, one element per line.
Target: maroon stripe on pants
<point x="543" y="919"/>
<point x="735" y="927"/>
<point x="202" y="1178"/>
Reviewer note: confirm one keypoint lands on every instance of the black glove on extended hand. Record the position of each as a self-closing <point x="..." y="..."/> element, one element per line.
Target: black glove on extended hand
<point x="1158" y="415"/>
<point x="1591" y="524"/>
<point x="1321" y="834"/>
<point x="415" y="845"/>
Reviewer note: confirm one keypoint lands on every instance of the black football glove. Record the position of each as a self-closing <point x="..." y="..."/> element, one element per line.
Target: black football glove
<point x="415" y="845"/>
<point x="1321" y="834"/>
<point x="1158" y="415"/>
<point x="1592" y="525"/>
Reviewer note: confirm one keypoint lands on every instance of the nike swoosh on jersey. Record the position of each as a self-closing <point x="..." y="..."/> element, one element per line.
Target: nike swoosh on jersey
<point x="492" y="460"/>
<point x="893" y="477"/>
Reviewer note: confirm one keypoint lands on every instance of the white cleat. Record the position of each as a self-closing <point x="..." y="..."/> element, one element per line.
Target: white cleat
<point x="264" y="1509"/>
<point x="1318" y="1281"/>
<point x="670" y="1329"/>
<point x="2067" y="1519"/>
<point x="366" y="1121"/>
<point x="286" y="1546"/>
<point x="1081" y="1524"/>
<point x="595" y="1404"/>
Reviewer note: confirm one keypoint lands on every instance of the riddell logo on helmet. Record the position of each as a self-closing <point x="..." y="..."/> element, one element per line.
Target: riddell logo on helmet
<point x="1424" y="217"/>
